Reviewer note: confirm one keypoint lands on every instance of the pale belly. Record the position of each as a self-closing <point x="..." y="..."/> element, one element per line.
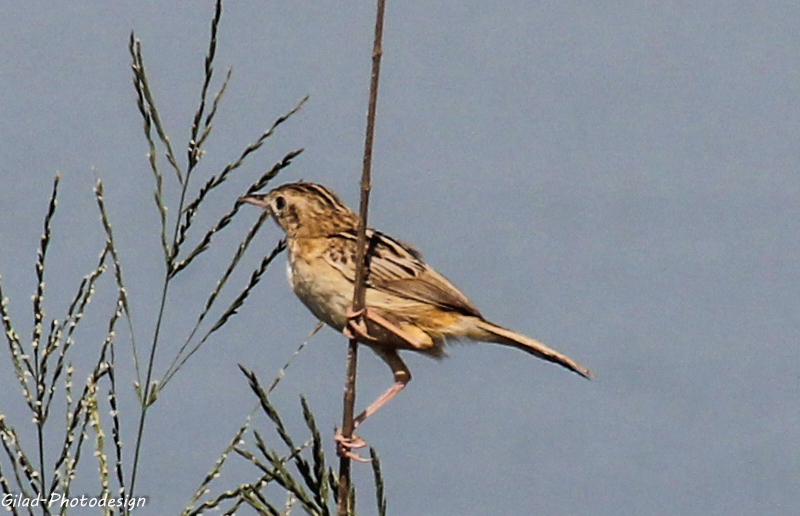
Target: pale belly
<point x="328" y="296"/>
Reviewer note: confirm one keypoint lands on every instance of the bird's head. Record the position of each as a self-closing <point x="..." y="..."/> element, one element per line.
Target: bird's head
<point x="305" y="209"/>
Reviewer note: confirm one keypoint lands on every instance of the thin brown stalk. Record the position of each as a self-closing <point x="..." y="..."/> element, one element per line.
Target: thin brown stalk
<point x="360" y="287"/>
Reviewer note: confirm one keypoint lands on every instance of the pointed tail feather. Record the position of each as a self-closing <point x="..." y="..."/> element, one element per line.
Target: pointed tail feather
<point x="501" y="335"/>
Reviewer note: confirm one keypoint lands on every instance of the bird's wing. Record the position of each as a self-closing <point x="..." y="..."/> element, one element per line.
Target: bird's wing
<point x="398" y="268"/>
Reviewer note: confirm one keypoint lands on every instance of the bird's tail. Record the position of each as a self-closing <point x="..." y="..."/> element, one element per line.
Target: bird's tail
<point x="500" y="335"/>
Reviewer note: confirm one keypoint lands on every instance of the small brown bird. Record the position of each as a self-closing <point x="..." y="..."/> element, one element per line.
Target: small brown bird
<point x="409" y="306"/>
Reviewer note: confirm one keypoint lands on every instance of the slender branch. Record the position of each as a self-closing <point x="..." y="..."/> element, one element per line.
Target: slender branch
<point x="359" y="293"/>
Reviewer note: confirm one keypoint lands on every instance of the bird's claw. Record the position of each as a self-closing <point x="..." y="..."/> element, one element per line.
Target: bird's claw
<point x="345" y="445"/>
<point x="356" y="327"/>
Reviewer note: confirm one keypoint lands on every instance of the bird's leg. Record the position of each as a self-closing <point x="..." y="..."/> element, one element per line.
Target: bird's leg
<point x="401" y="378"/>
<point x="356" y="327"/>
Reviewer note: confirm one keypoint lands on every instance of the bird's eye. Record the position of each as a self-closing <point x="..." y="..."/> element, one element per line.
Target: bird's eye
<point x="280" y="203"/>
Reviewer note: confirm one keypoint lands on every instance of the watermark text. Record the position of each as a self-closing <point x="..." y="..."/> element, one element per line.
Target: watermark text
<point x="59" y="500"/>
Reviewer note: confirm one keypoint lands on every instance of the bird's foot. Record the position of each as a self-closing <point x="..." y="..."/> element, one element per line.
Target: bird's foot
<point x="356" y="327"/>
<point x="345" y="445"/>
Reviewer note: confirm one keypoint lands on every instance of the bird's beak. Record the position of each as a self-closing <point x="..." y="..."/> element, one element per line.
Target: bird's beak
<point x="255" y="199"/>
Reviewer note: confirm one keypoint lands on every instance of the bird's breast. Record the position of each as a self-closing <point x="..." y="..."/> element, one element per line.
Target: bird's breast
<point x="320" y="287"/>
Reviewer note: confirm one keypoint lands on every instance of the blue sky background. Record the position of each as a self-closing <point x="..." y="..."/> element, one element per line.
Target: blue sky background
<point x="617" y="179"/>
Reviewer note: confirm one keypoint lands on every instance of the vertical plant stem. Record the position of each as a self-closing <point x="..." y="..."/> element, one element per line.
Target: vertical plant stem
<point x="148" y="391"/>
<point x="361" y="272"/>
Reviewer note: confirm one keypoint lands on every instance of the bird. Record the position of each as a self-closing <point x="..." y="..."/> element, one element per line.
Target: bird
<point x="408" y="304"/>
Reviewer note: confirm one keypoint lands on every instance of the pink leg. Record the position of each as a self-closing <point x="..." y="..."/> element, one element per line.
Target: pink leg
<point x="401" y="378"/>
<point x="356" y="327"/>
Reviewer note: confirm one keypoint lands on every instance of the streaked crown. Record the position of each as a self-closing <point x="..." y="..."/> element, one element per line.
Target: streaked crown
<point x="306" y="210"/>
